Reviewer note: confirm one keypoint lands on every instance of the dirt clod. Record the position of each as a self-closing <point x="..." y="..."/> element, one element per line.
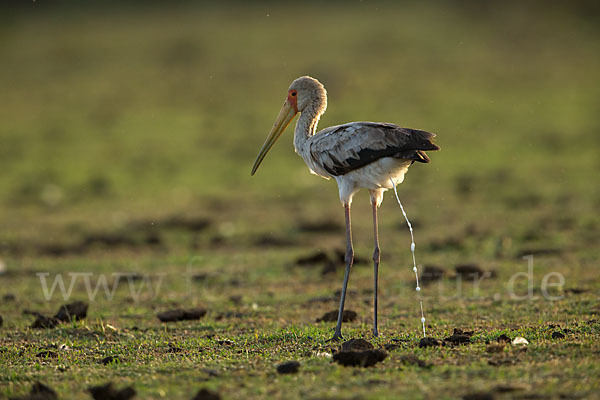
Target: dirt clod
<point x="479" y="396"/>
<point x="200" y="277"/>
<point x="341" y="258"/>
<point x="558" y="335"/>
<point x="329" y="268"/>
<point x="500" y="361"/>
<point x="110" y="360"/>
<point x="207" y="394"/>
<point x="211" y="372"/>
<point x="356" y="345"/>
<point x="507" y="388"/>
<point x="504" y="339"/>
<point x="171" y="315"/>
<point x="46" y="354"/>
<point x="459" y="337"/>
<point x="576" y="290"/>
<point x="39" y="391"/>
<point x="430" y="342"/>
<point x="180" y="314"/>
<point x="331" y="316"/>
<point x="458" y="331"/>
<point x="538" y="252"/>
<point x="431" y="273"/>
<point x="107" y="392"/>
<point x="66" y="313"/>
<point x="9" y="297"/>
<point x="192" y="224"/>
<point x="272" y="241"/>
<point x="366" y="358"/>
<point x="411" y="359"/>
<point x="330" y="262"/>
<point x="69" y="312"/>
<point x="43" y="322"/>
<point x="495" y="347"/>
<point x="174" y="348"/>
<point x="315" y="258"/>
<point x="470" y="271"/>
<point x="320" y="227"/>
<point x="290" y="367"/>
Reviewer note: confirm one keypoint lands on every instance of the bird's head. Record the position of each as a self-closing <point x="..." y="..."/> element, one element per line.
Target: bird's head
<point x="305" y="95"/>
<point x="308" y="94"/>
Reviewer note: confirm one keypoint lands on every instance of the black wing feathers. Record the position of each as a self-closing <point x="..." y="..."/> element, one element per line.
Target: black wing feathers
<point x="388" y="140"/>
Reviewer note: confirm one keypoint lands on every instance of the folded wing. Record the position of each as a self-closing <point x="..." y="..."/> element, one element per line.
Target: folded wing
<point x="344" y="148"/>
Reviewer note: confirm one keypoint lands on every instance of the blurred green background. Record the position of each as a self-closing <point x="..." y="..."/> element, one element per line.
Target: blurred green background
<point x="162" y="108"/>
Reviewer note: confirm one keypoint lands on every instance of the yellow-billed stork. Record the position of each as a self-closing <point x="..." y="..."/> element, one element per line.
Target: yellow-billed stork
<point x="369" y="155"/>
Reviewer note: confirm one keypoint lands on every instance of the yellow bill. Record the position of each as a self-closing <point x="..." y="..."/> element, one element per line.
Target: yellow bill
<point x="284" y="118"/>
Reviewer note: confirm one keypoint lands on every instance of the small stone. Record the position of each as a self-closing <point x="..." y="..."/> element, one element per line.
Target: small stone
<point x="520" y="341"/>
<point x="290" y="367"/>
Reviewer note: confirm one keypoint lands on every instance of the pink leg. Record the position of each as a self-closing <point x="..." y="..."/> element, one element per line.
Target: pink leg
<point x="349" y="260"/>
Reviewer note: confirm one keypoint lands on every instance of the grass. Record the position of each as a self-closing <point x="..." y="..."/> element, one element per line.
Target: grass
<point x="124" y="129"/>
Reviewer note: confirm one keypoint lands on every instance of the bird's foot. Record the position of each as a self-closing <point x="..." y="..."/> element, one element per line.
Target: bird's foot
<point x="336" y="337"/>
<point x="375" y="333"/>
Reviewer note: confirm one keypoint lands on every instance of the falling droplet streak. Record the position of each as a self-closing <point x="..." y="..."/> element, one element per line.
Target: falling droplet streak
<point x="412" y="250"/>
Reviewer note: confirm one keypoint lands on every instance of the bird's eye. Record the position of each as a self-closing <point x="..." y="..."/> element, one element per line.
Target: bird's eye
<point x="293" y="93"/>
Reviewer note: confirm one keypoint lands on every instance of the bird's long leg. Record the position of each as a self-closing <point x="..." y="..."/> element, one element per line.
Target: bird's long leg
<point x="349" y="260"/>
<point x="376" y="259"/>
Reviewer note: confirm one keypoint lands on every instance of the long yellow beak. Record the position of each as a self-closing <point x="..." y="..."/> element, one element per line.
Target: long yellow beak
<point x="284" y="118"/>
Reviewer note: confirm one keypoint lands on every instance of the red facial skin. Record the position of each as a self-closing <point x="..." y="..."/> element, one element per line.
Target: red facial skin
<point x="293" y="99"/>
